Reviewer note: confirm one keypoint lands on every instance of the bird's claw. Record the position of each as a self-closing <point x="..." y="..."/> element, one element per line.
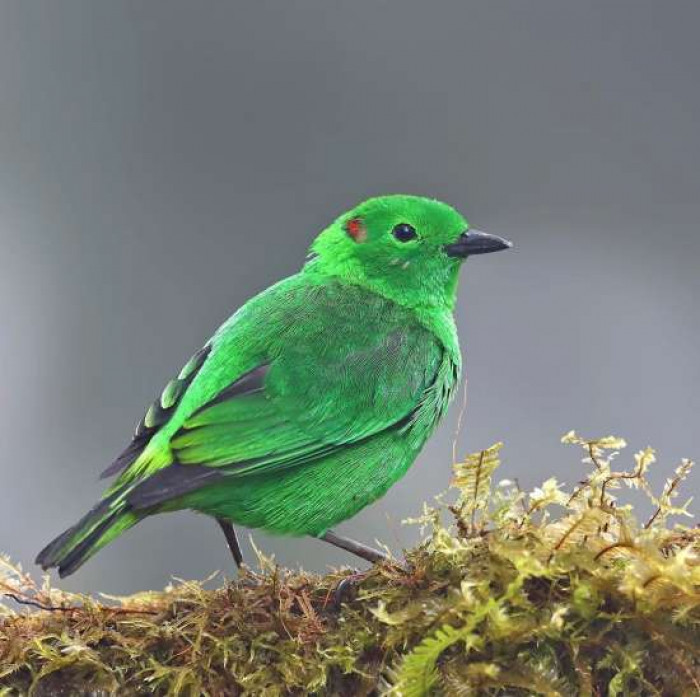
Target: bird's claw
<point x="345" y="586"/>
<point x="348" y="583"/>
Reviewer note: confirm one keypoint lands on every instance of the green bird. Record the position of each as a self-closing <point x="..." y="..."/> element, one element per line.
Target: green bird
<point x="311" y="400"/>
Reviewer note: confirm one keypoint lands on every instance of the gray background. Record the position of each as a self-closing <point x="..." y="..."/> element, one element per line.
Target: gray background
<point x="161" y="162"/>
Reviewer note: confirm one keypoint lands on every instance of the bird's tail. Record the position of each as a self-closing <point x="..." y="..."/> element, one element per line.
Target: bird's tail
<point x="102" y="524"/>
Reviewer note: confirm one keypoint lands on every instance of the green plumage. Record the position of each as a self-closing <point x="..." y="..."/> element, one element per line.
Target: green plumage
<point x="312" y="399"/>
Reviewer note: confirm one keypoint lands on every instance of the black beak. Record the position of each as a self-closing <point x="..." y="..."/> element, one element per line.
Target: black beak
<point x="476" y="242"/>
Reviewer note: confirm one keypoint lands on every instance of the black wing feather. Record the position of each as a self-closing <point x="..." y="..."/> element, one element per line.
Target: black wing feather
<point x="177" y="479"/>
<point x="158" y="413"/>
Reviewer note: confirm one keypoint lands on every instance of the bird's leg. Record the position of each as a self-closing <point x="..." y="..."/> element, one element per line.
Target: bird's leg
<point x="369" y="553"/>
<point x="232" y="540"/>
<point x="348" y="583"/>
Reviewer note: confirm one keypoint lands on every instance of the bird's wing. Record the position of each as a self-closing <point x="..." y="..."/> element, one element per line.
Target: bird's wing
<point x="158" y="413"/>
<point x="350" y="365"/>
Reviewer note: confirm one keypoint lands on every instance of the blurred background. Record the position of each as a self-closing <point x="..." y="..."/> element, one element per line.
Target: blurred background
<point x="162" y="162"/>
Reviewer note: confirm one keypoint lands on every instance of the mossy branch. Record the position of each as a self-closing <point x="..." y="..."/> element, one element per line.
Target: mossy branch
<point x="514" y="593"/>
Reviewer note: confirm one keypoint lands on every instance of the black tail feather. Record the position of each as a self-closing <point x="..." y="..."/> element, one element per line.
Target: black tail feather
<point x="60" y="552"/>
<point x="45" y="558"/>
<point x="80" y="553"/>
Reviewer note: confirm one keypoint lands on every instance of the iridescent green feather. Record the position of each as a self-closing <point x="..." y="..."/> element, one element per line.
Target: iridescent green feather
<point x="360" y="360"/>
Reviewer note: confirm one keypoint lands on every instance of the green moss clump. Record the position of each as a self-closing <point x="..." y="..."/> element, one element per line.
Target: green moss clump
<point x="548" y="592"/>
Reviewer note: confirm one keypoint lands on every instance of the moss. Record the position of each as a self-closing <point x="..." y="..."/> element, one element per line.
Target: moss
<point x="548" y="592"/>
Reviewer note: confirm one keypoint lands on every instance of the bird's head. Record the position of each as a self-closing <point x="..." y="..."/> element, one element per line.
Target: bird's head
<point x="407" y="248"/>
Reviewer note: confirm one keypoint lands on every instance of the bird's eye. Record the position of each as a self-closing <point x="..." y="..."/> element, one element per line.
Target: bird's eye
<point x="404" y="232"/>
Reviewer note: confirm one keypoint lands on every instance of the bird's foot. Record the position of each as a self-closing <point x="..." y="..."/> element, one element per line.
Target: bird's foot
<point x="345" y="590"/>
<point x="347" y="584"/>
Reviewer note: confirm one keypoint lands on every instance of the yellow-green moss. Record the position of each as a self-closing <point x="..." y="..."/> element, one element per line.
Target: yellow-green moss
<point x="511" y="593"/>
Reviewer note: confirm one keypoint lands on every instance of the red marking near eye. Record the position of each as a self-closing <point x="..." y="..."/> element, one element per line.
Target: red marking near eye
<point x="356" y="229"/>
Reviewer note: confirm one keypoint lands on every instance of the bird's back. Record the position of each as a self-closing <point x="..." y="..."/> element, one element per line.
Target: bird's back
<point x="354" y="385"/>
